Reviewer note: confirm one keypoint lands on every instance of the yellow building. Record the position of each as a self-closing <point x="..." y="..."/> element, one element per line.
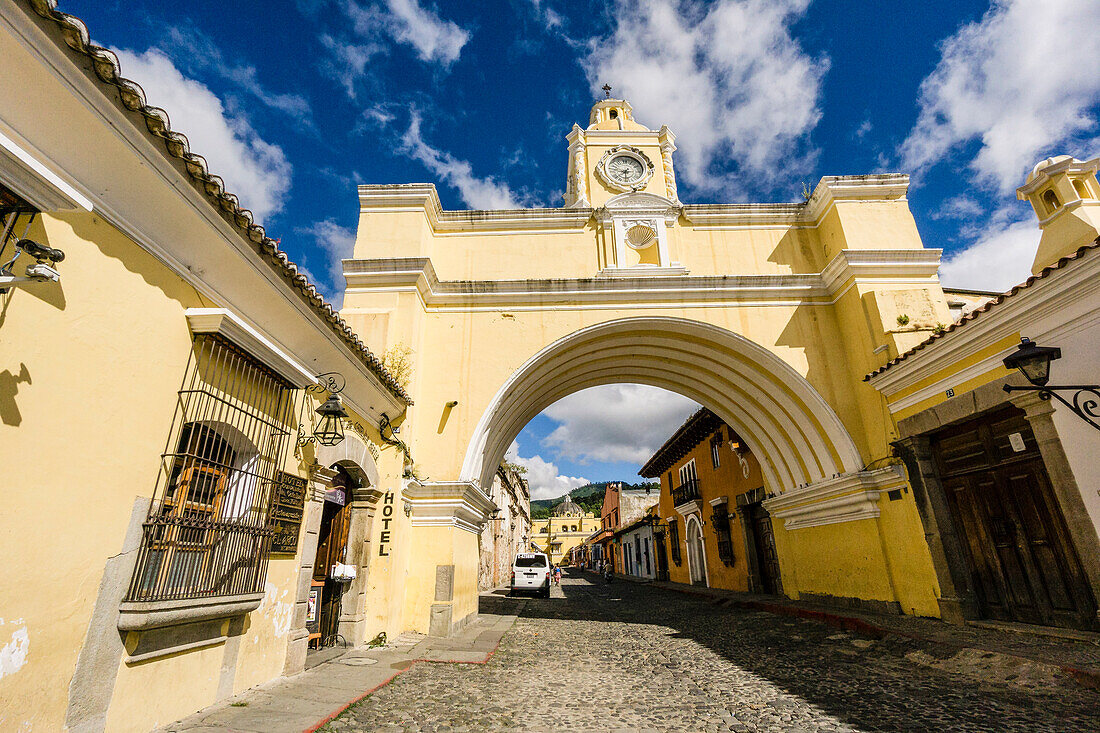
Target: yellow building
<point x="768" y="314"/>
<point x="200" y="473"/>
<point x="1005" y="467"/>
<point x="567" y="527"/>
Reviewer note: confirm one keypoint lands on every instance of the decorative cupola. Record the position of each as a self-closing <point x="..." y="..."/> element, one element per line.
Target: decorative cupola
<point x="1066" y="197"/>
<point x="613" y="114"/>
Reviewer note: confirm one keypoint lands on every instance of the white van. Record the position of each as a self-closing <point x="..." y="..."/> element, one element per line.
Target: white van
<point x="531" y="573"/>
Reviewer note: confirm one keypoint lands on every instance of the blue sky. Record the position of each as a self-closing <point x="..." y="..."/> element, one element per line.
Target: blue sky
<point x="293" y="103"/>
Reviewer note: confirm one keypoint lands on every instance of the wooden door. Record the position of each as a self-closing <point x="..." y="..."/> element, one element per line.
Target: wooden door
<point x="764" y="543"/>
<point x="1023" y="566"/>
<point x="662" y="556"/>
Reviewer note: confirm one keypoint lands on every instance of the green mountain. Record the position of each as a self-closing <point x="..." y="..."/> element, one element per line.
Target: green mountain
<point x="589" y="497"/>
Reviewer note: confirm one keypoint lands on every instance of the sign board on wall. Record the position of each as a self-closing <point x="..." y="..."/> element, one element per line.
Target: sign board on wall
<point x="287" y="507"/>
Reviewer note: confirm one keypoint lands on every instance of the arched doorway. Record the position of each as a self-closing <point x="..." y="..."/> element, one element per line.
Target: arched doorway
<point x="697" y="557"/>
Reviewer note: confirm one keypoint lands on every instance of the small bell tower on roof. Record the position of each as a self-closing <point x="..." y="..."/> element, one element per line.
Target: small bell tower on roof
<point x="1066" y="197"/>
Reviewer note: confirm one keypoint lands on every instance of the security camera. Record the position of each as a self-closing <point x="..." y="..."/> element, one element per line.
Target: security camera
<point x="43" y="272"/>
<point x="40" y="251"/>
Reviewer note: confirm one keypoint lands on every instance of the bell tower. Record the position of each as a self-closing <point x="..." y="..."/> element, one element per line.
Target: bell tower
<point x="615" y="154"/>
<point x="624" y="171"/>
<point x="1066" y="197"/>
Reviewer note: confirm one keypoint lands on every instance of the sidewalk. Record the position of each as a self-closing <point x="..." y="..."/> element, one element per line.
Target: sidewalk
<point x="1073" y="653"/>
<point x="307" y="701"/>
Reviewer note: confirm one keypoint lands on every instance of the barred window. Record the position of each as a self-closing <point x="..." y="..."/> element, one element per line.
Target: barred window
<point x="720" y="520"/>
<point x="674" y="541"/>
<point x="207" y="532"/>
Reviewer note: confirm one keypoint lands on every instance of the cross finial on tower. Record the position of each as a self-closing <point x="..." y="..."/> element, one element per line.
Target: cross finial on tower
<point x="607" y="90"/>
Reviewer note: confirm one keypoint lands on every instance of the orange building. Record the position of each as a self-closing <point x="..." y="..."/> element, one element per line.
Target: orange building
<point x="713" y="529"/>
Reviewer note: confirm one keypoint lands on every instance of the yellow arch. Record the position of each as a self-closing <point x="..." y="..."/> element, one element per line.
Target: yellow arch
<point x="795" y="434"/>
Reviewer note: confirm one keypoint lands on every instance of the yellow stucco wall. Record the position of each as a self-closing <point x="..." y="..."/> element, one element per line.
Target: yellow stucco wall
<point x="116" y="308"/>
<point x="94" y="364"/>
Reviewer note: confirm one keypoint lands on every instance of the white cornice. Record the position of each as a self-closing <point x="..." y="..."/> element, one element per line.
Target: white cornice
<point x="880" y="263"/>
<point x="232" y="327"/>
<point x="424" y="197"/>
<point x="459" y="504"/>
<point x="32" y="179"/>
<point x="1069" y="290"/>
<point x="1069" y="165"/>
<point x="604" y="137"/>
<point x="887" y="186"/>
<point x="846" y="498"/>
<point x="657" y="287"/>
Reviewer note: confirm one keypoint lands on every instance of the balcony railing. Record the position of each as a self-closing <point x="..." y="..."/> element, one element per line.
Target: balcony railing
<point x="685" y="492"/>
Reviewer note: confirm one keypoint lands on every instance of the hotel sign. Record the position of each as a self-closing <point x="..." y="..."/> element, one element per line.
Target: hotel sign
<point x="287" y="507"/>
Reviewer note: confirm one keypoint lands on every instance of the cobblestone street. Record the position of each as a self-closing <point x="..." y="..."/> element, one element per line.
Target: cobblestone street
<point x="629" y="657"/>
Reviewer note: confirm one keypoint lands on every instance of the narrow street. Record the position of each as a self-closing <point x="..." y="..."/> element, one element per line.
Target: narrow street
<point x="628" y="657"/>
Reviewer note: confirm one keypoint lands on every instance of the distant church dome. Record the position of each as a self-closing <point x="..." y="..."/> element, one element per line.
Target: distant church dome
<point x="567" y="508"/>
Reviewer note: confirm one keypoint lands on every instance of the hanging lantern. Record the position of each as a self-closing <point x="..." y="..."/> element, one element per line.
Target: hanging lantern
<point x="330" y="430"/>
<point x="1033" y="360"/>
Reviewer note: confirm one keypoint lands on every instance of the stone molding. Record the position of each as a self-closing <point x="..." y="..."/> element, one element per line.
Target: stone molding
<point x="353" y="453"/>
<point x="643" y="287"/>
<point x="141" y="615"/>
<point x="847" y="498"/>
<point x="460" y="504"/>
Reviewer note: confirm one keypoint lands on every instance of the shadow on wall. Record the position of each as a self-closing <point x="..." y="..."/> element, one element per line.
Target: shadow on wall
<point x="9" y="388"/>
<point x="816" y="663"/>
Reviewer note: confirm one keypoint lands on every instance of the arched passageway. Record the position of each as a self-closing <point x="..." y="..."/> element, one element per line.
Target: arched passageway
<point x="777" y="412"/>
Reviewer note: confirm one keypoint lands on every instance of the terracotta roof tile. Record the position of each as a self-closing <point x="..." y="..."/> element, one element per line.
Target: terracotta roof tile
<point x="977" y="312"/>
<point x="106" y="66"/>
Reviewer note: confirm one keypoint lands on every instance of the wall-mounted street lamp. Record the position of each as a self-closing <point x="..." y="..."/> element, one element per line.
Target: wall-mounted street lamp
<point x="330" y="427"/>
<point x="1033" y="361"/>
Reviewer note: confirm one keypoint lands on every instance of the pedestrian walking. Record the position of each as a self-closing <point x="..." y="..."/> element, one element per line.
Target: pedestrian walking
<point x="557" y="575"/>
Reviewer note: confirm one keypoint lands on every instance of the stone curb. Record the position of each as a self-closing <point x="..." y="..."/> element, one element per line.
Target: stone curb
<point x="1085" y="677"/>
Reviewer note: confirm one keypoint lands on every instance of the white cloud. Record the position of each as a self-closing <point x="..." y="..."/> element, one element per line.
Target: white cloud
<point x="479" y="193"/>
<point x="337" y="243"/>
<point x="550" y="19"/>
<point x="257" y="171"/>
<point x="1020" y="82"/>
<point x="726" y="77"/>
<point x="617" y="422"/>
<point x="348" y="63"/>
<point x="959" y="207"/>
<point x="543" y="477"/>
<point x="999" y="258"/>
<point x="436" y="40"/>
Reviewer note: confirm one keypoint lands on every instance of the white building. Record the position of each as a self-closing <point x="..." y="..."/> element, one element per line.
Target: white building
<point x="638" y="548"/>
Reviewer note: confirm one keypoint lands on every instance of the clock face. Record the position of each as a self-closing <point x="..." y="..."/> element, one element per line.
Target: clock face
<point x="624" y="169"/>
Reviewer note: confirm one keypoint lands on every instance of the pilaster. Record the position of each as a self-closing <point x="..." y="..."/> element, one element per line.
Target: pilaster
<point x="957" y="601"/>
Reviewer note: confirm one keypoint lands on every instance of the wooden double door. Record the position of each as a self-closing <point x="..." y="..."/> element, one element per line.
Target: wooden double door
<point x="759" y="525"/>
<point x="1023" y="564"/>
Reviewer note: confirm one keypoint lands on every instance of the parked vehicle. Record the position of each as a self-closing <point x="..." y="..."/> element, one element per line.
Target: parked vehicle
<point x="531" y="574"/>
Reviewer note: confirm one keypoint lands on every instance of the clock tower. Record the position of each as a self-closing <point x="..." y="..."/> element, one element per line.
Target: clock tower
<point x="624" y="171"/>
<point x="615" y="155"/>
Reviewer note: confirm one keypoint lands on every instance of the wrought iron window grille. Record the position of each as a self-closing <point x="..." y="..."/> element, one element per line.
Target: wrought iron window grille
<point x="720" y="522"/>
<point x="207" y="532"/>
<point x="674" y="542"/>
